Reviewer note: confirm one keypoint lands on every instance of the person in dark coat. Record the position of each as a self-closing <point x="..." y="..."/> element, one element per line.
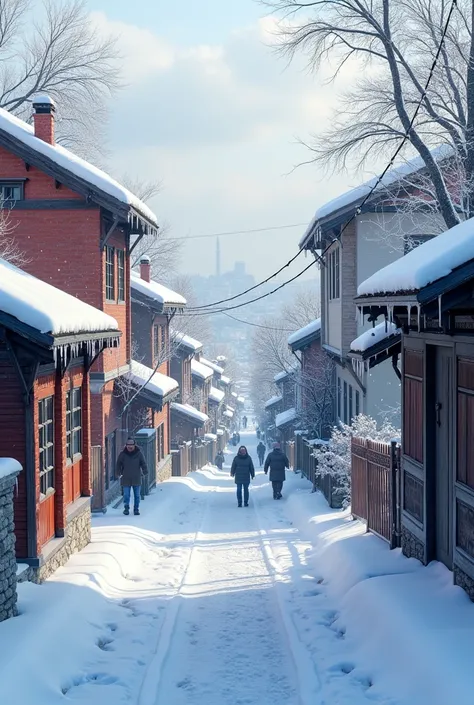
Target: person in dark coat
<point x="131" y="466"/>
<point x="261" y="452"/>
<point x="258" y="433"/>
<point x="243" y="471"/>
<point x="235" y="439"/>
<point x="219" y="460"/>
<point x="276" y="462"/>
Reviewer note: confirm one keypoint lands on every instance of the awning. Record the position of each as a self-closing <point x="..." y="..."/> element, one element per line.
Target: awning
<point x="216" y="395"/>
<point x="273" y="401"/>
<point x="155" y="388"/>
<point x="190" y="414"/>
<point x="376" y="345"/>
<point x="286" y="417"/>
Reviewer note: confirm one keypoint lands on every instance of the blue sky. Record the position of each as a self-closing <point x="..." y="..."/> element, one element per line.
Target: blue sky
<point x="211" y="112"/>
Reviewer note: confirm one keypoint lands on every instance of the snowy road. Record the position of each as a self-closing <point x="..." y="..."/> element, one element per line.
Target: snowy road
<point x="196" y="602"/>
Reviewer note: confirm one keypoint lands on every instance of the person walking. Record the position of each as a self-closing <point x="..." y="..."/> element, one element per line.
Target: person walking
<point x="261" y="452"/>
<point x="220" y="459"/>
<point x="258" y="433"/>
<point x="131" y="466"/>
<point x="276" y="462"/>
<point x="243" y="471"/>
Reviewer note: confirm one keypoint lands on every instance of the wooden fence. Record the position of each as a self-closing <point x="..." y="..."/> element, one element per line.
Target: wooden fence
<point x="181" y="460"/>
<point x="376" y="487"/>
<point x="307" y="464"/>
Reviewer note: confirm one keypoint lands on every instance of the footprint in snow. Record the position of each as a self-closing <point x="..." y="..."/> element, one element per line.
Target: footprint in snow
<point x="93" y="678"/>
<point x="105" y="643"/>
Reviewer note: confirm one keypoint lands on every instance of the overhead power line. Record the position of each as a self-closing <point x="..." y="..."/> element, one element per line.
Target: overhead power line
<point x="239" y="232"/>
<point x="258" y="325"/>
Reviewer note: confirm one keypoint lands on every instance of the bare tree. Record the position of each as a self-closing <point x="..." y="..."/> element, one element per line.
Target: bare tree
<point x="197" y="326"/>
<point x="394" y="45"/>
<point x="61" y="54"/>
<point x="315" y="395"/>
<point x="9" y="249"/>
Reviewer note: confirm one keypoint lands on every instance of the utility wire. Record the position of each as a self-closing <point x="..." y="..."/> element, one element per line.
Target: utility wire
<point x="239" y="232"/>
<point x="358" y="210"/>
<point x="258" y="325"/>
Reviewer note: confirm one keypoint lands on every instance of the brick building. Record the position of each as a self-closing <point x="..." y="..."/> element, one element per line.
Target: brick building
<point x="78" y="227"/>
<point x="187" y="420"/>
<point x="48" y="342"/>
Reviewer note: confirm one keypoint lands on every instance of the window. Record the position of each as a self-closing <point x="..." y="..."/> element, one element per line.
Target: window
<point x="339" y="399"/>
<point x="413" y="241"/>
<point x="357" y="404"/>
<point x="159" y="343"/>
<point x="350" y="404"/>
<point x="11" y="191"/>
<point x="334" y="284"/>
<point x="110" y="273"/>
<point x="120" y="275"/>
<point x="345" y="402"/>
<point x="73" y="423"/>
<point x="110" y="458"/>
<point x="160" y="442"/>
<point x="46" y="443"/>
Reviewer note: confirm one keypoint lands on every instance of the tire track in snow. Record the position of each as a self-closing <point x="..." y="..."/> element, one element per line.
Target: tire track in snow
<point x="150" y="687"/>
<point x="308" y="676"/>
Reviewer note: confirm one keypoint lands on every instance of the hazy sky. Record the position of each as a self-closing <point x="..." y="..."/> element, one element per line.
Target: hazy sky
<point x="213" y="113"/>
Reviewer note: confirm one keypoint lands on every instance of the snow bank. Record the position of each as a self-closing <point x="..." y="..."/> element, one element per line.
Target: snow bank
<point x="186" y="340"/>
<point x="156" y="291"/>
<point x="212" y="365"/>
<point x="157" y="383"/>
<point x="356" y="195"/>
<point x="409" y="628"/>
<point x="425" y="264"/>
<point x="373" y="336"/>
<point x="216" y="395"/>
<point x="46" y="308"/>
<point x="8" y="466"/>
<point x="286" y="417"/>
<point x="190" y="412"/>
<point x="200" y="370"/>
<point x="23" y="132"/>
<point x="302" y="333"/>
<point x="273" y="400"/>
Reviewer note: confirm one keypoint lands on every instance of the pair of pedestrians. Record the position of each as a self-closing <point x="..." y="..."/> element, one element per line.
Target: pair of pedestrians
<point x="243" y="471"/>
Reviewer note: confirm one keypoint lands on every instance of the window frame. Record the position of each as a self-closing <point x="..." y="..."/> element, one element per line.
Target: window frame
<point x="46" y="443"/>
<point x="12" y="183"/>
<point x="120" y="275"/>
<point x="351" y="405"/>
<point x="73" y="431"/>
<point x="345" y="402"/>
<point x="334" y="276"/>
<point x="110" y="273"/>
<point x="339" y="399"/>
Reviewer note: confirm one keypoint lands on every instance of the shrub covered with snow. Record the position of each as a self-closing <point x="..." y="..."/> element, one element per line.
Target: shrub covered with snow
<point x="334" y="458"/>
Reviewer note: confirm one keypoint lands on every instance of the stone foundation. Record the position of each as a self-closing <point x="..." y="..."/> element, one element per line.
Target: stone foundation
<point x="78" y="536"/>
<point x="164" y="470"/>
<point x="8" y="595"/>
<point x="411" y="546"/>
<point x="464" y="581"/>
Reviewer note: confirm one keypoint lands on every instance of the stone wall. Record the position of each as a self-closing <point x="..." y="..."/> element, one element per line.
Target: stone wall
<point x="8" y="594"/>
<point x="77" y="536"/>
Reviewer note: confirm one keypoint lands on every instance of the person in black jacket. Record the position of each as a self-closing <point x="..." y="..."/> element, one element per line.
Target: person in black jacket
<point x="276" y="462"/>
<point x="242" y="470"/>
<point x="261" y="452"/>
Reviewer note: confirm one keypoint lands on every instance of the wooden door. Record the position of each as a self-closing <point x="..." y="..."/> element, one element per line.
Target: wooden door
<point x="443" y="455"/>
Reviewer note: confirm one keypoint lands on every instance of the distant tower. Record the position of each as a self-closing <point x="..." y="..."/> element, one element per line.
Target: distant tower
<point x="218" y="258"/>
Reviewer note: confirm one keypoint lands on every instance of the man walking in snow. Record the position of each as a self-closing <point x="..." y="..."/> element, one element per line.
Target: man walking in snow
<point x="261" y="452"/>
<point x="242" y="470"/>
<point x="276" y="462"/>
<point x="131" y="466"/>
<point x="219" y="459"/>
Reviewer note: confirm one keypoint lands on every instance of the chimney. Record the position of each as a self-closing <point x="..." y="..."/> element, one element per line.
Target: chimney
<point x="145" y="268"/>
<point x="43" y="117"/>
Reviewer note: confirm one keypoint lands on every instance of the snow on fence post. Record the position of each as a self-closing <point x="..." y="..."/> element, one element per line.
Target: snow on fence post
<point x="9" y="471"/>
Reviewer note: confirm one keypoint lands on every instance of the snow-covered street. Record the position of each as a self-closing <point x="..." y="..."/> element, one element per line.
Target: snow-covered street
<point x="198" y="601"/>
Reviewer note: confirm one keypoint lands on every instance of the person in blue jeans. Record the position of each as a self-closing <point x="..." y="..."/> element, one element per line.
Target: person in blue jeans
<point x="243" y="471"/>
<point x="131" y="466"/>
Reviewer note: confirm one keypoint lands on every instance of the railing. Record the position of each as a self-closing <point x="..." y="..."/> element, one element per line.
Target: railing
<point x="376" y="487"/>
<point x="46" y="525"/>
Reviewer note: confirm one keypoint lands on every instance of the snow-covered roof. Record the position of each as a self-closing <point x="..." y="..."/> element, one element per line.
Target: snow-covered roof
<point x="24" y="133"/>
<point x="216" y="395"/>
<point x="154" y="382"/>
<point x="190" y="412"/>
<point x="281" y="375"/>
<point x="373" y="336"/>
<point x="210" y="436"/>
<point x="230" y="408"/>
<point x="200" y="370"/>
<point x="311" y="329"/>
<point x="356" y="195"/>
<point x="425" y="264"/>
<point x="286" y="417"/>
<point x="229" y="414"/>
<point x="235" y="395"/>
<point x="187" y="341"/>
<point x="46" y="308"/>
<point x="8" y="466"/>
<point x="225" y="380"/>
<point x="220" y="431"/>
<point x="159" y="293"/>
<point x="273" y="400"/>
<point x="241" y="400"/>
<point x="212" y="365"/>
